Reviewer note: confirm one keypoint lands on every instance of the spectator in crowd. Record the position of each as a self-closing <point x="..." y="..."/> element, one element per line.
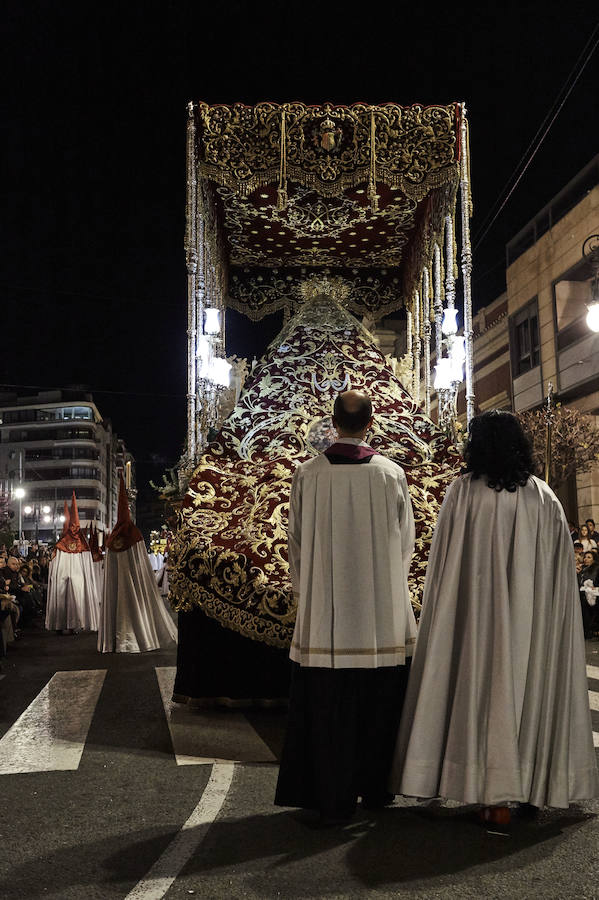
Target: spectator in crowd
<point x="573" y="530"/>
<point x="28" y="583"/>
<point x="589" y="578"/>
<point x="43" y="564"/>
<point x="585" y="539"/>
<point x="593" y="535"/>
<point x="22" y="592"/>
<point x="578" y="556"/>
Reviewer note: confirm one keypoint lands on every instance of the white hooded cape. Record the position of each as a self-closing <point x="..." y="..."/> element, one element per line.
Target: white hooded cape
<point x="133" y="616"/>
<point x="497" y="706"/>
<point x="73" y="601"/>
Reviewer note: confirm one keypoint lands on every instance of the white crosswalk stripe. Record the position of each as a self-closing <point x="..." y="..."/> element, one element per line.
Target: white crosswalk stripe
<point x="50" y="735"/>
<point x="204" y="737"/>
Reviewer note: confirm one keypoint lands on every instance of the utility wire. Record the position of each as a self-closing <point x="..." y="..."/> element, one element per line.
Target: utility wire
<point x="585" y="56"/>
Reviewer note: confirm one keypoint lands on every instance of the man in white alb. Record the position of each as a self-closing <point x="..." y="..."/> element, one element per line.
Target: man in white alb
<point x="351" y="537"/>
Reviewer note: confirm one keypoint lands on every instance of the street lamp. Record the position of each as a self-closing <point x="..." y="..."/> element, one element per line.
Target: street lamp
<point x="39" y="512"/>
<point x="449" y="371"/>
<point x="590" y="251"/>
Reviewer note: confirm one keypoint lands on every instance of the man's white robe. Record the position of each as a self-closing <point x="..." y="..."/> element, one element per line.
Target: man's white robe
<point x="349" y="555"/>
<point x="497" y="707"/>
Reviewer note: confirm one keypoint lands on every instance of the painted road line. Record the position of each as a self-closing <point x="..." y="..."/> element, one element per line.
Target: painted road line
<point x="50" y="735"/>
<point x="593" y="672"/>
<point x="166" y="868"/>
<point x="594" y="699"/>
<point x="208" y="736"/>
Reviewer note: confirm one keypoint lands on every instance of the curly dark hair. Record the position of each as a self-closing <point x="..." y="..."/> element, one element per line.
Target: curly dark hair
<point x="498" y="448"/>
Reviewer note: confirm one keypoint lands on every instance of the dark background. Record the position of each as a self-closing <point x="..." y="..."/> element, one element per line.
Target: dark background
<point x="93" y="284"/>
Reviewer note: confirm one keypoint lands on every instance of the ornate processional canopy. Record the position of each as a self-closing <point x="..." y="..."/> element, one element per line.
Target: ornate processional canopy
<point x="366" y="196"/>
<point x="360" y="191"/>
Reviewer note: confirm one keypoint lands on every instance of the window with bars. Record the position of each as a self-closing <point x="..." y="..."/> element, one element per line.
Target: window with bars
<point x="524" y="339"/>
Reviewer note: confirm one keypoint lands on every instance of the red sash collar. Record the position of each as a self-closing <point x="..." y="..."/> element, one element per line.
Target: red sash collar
<point x="352" y="451"/>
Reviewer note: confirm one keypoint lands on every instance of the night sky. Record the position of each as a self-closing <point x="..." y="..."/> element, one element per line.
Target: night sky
<point x="93" y="280"/>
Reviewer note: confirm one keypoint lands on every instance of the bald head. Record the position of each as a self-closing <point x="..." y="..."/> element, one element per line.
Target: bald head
<point x="352" y="414"/>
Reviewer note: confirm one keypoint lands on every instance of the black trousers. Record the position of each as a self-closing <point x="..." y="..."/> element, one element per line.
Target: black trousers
<point x="341" y="734"/>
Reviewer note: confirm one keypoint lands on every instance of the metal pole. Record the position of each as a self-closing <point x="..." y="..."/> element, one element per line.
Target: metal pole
<point x="449" y="263"/>
<point x="20" y="494"/>
<point x="191" y="261"/>
<point x="416" y="378"/>
<point x="427" y="340"/>
<point x="438" y="302"/>
<point x="466" y="211"/>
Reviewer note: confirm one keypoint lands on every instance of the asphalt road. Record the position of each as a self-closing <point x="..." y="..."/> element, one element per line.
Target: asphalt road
<point x="113" y="826"/>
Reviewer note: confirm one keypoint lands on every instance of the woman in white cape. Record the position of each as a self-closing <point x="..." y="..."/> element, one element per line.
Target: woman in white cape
<point x="497" y="706"/>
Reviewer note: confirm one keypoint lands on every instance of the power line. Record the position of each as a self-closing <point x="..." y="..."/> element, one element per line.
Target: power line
<point x="552" y="116"/>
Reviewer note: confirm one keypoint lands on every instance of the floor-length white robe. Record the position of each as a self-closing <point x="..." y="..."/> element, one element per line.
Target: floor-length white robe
<point x="134" y="617"/>
<point x="72" y="597"/>
<point x="497" y="707"/>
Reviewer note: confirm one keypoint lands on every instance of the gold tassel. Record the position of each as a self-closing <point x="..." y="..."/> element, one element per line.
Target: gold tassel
<point x="282" y="196"/>
<point x="371" y="194"/>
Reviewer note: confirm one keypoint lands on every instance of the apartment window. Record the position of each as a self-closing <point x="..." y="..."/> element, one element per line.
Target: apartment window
<point x="76" y="412"/>
<point x="524" y="339"/>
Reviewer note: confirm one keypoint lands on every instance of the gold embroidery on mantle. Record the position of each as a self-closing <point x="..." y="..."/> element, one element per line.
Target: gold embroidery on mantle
<point x="229" y="555"/>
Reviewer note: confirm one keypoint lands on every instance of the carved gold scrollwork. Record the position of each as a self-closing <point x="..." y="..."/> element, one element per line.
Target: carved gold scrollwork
<point x="230" y="551"/>
<point x="328" y="146"/>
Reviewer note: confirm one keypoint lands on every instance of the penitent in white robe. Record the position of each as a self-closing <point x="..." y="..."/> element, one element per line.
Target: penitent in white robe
<point x="134" y="617"/>
<point x="497" y="707"/>
<point x="73" y="601"/>
<point x="349" y="556"/>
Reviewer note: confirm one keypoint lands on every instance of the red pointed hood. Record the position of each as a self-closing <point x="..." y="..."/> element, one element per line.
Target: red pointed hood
<point x="67" y="516"/>
<point x="73" y="539"/>
<point x="125" y="533"/>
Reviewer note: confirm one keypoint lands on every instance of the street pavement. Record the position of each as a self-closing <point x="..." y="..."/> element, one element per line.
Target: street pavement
<point x="107" y="790"/>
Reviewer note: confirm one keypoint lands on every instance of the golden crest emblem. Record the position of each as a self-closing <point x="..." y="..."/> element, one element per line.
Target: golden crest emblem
<point x="73" y="546"/>
<point x="327" y="135"/>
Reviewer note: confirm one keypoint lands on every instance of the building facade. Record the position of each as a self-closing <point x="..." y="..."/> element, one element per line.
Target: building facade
<point x="549" y="283"/>
<point x="51" y="444"/>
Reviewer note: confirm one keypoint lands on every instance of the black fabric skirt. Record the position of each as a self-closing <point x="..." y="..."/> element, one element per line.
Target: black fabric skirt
<point x="219" y="665"/>
<point x="340" y="738"/>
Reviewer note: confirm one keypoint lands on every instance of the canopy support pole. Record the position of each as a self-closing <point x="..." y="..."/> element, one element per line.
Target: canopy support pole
<point x="191" y="257"/>
<point x="426" y="315"/>
<point x="438" y="302"/>
<point x="466" y="259"/>
<point x="417" y="349"/>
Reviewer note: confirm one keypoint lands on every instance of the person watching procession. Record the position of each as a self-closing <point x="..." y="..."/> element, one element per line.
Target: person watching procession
<point x="588" y="543"/>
